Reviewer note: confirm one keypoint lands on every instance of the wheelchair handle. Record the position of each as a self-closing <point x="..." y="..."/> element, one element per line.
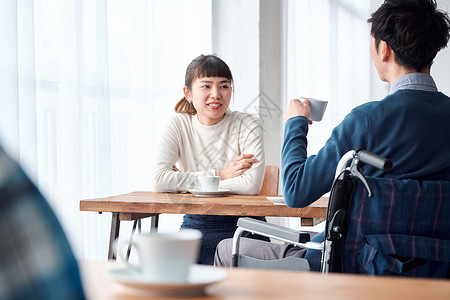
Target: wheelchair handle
<point x="374" y="160"/>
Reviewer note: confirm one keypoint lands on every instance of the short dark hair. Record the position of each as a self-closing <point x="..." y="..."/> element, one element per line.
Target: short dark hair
<point x="415" y="29"/>
<point x="202" y="66"/>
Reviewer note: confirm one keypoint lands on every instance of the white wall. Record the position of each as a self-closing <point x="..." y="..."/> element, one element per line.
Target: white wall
<point x="247" y="35"/>
<point x="441" y="71"/>
<point x="235" y="39"/>
<point x="441" y="66"/>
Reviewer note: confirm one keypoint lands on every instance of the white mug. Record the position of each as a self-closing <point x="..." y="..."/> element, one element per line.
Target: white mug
<point x="208" y="183"/>
<point x="166" y="257"/>
<point x="318" y="108"/>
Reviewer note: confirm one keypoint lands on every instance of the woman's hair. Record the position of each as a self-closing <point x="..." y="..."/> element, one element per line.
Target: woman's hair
<point x="202" y="66"/>
<point x="415" y="29"/>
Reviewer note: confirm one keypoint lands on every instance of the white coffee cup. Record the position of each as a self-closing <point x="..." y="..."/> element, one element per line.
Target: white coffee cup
<point x="208" y="183"/>
<point x="318" y="108"/>
<point x="166" y="257"/>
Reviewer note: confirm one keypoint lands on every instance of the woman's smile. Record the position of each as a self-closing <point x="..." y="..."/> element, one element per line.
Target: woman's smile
<point x="214" y="105"/>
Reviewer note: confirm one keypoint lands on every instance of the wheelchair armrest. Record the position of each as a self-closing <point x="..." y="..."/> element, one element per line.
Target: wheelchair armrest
<point x="275" y="230"/>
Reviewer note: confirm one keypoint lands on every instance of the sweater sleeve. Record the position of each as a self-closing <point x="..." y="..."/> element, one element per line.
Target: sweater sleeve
<point x="251" y="137"/>
<point x="165" y="178"/>
<point x="306" y="179"/>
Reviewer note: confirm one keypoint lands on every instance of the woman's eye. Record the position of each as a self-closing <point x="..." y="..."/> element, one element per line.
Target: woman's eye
<point x="225" y="87"/>
<point x="205" y="86"/>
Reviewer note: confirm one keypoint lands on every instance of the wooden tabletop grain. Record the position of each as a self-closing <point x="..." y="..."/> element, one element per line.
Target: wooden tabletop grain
<point x="251" y="284"/>
<point x="185" y="203"/>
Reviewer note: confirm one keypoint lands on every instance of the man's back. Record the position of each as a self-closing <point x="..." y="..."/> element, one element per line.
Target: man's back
<point x="412" y="128"/>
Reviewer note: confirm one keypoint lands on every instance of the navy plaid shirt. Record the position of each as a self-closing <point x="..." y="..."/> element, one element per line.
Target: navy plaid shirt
<point x="36" y="261"/>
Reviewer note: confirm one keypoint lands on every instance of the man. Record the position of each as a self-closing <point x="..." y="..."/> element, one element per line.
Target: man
<point x="411" y="126"/>
<point x="36" y="261"/>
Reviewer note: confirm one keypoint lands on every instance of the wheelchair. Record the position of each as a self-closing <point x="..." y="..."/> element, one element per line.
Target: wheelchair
<point x="374" y="226"/>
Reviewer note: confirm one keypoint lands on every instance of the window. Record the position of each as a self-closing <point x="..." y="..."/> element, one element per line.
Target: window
<point x="88" y="87"/>
<point x="328" y="58"/>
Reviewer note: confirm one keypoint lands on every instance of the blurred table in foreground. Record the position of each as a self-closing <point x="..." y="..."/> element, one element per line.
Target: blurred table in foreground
<point x="268" y="285"/>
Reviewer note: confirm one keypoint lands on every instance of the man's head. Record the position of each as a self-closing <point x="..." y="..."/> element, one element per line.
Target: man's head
<point x="414" y="29"/>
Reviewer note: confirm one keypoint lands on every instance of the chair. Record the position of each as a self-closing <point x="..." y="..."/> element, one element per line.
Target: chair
<point x="270" y="181"/>
<point x="376" y="226"/>
<point x="268" y="188"/>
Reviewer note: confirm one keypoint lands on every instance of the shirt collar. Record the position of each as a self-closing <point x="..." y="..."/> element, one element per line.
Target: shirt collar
<point x="414" y="81"/>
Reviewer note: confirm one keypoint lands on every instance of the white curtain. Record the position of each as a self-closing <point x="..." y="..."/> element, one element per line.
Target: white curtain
<point x="86" y="89"/>
<point x="328" y="58"/>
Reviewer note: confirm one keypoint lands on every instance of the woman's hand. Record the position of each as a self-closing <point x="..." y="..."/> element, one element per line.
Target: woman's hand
<point x="298" y="108"/>
<point x="237" y="166"/>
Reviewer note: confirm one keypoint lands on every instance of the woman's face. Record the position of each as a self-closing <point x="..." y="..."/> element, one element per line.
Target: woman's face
<point x="210" y="97"/>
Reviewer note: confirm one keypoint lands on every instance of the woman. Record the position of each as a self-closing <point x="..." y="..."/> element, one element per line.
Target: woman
<point x="205" y="138"/>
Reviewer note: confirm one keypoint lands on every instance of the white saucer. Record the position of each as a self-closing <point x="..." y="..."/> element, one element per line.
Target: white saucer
<point x="200" y="276"/>
<point x="200" y="193"/>
<point x="277" y="200"/>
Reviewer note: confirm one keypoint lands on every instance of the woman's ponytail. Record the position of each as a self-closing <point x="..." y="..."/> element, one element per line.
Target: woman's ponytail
<point x="184" y="106"/>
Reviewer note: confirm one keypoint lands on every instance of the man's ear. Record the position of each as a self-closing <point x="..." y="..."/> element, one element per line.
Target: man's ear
<point x="187" y="93"/>
<point x="385" y="50"/>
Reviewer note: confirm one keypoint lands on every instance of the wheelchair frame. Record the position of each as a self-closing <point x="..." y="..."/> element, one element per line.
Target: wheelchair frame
<point x="336" y="215"/>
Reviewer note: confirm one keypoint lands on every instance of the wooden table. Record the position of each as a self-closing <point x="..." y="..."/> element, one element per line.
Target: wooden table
<point x="268" y="285"/>
<point x="138" y="205"/>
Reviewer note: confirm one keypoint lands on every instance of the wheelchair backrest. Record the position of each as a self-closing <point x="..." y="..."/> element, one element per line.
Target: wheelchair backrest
<point x="404" y="229"/>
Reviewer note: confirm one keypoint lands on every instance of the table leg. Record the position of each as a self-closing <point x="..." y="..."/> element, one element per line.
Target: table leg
<point x="115" y="227"/>
<point x="137" y="224"/>
<point x="154" y="223"/>
<point x="310" y="221"/>
<point x="130" y="243"/>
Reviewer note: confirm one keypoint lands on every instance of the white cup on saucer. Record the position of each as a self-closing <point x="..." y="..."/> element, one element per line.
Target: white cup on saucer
<point x="208" y="183"/>
<point x="166" y="257"/>
<point x="318" y="108"/>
